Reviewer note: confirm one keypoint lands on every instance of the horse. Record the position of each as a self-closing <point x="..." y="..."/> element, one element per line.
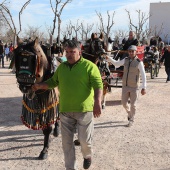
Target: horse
<point x="39" y="109"/>
<point x="95" y="53"/>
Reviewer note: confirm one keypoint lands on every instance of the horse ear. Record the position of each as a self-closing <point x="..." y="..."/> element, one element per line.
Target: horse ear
<point x="36" y="41"/>
<point x="19" y="41"/>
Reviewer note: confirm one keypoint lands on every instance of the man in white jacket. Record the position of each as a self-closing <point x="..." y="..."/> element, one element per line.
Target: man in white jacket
<point x="133" y="68"/>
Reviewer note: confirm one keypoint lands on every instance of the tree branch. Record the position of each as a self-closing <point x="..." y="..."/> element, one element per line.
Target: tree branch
<point x="23" y="7"/>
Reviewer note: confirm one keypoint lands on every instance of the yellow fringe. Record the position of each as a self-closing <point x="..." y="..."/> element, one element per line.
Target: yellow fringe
<point x="42" y="110"/>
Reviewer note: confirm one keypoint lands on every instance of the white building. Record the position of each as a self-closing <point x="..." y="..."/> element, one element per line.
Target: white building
<point x="160" y="13"/>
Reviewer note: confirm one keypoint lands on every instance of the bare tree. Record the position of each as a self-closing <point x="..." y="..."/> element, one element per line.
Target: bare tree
<point x="166" y="37"/>
<point x="81" y="31"/>
<point x="59" y="6"/>
<point x="9" y="35"/>
<point x="34" y="32"/>
<point x="10" y="21"/>
<point x="69" y="30"/>
<point x="147" y="32"/>
<point x="119" y="34"/>
<point x="64" y="33"/>
<point x="142" y="20"/>
<point x="157" y="31"/>
<point x="76" y="28"/>
<point x="110" y="23"/>
<point x="2" y="20"/>
<point x="85" y="30"/>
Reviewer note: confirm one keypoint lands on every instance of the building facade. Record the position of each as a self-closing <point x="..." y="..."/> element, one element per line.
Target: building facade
<point x="159" y="21"/>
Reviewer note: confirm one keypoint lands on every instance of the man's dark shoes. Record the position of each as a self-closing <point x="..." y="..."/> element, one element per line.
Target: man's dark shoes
<point x="87" y="163"/>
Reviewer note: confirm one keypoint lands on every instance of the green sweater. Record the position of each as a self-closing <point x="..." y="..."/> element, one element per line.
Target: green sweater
<point x="76" y="85"/>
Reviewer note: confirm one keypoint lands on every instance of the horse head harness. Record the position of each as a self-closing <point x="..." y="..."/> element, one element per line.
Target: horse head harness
<point x="27" y="68"/>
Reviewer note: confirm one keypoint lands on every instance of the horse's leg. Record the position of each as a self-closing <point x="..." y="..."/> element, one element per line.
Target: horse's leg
<point x="56" y="131"/>
<point x="44" y="152"/>
<point x="103" y="101"/>
<point x="105" y="87"/>
<point x="109" y="87"/>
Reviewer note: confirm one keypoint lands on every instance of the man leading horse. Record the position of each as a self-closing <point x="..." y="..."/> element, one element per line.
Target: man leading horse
<point x="80" y="85"/>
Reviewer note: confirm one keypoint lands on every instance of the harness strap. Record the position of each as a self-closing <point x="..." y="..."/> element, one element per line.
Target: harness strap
<point x="38" y="66"/>
<point x="88" y="54"/>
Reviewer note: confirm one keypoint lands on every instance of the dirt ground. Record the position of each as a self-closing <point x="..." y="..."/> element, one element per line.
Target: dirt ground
<point x="144" y="146"/>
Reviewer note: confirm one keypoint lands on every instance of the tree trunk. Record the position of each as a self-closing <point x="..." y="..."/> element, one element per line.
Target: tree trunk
<point x="59" y="23"/>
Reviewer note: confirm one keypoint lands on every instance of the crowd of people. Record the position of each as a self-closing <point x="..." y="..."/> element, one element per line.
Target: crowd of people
<point x="156" y="49"/>
<point x="5" y="52"/>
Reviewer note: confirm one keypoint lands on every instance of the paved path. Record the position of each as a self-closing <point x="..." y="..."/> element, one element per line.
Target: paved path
<point x="144" y="146"/>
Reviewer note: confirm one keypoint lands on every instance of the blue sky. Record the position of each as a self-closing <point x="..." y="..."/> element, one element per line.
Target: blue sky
<point x="38" y="12"/>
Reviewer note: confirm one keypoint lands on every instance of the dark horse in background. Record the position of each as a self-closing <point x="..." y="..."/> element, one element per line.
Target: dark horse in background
<point x="95" y="52"/>
<point x="38" y="108"/>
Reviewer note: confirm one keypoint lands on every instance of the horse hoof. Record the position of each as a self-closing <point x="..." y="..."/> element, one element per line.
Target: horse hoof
<point x="56" y="131"/>
<point x="103" y="107"/>
<point x="43" y="155"/>
<point x="77" y="143"/>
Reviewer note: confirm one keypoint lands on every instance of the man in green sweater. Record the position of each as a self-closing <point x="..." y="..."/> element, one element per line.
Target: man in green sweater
<point x="80" y="85"/>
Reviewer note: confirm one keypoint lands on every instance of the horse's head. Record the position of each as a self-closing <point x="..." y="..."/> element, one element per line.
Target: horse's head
<point x="31" y="64"/>
<point x="94" y="50"/>
<point x="97" y="47"/>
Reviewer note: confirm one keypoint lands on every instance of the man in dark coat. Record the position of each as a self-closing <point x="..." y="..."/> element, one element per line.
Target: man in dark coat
<point x="131" y="41"/>
<point x="166" y="59"/>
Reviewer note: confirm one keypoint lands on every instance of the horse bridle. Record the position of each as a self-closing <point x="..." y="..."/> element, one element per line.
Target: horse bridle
<point x="26" y="69"/>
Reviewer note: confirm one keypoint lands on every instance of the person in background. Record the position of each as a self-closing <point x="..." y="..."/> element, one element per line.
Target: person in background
<point x="6" y="48"/>
<point x="166" y="59"/>
<point x="80" y="86"/>
<point x="127" y="43"/>
<point x="133" y="67"/>
<point x="102" y="39"/>
<point x="2" y="54"/>
<point x="161" y="46"/>
<point x="56" y="49"/>
<point x="156" y="54"/>
<point x="11" y="48"/>
<point x="130" y="41"/>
